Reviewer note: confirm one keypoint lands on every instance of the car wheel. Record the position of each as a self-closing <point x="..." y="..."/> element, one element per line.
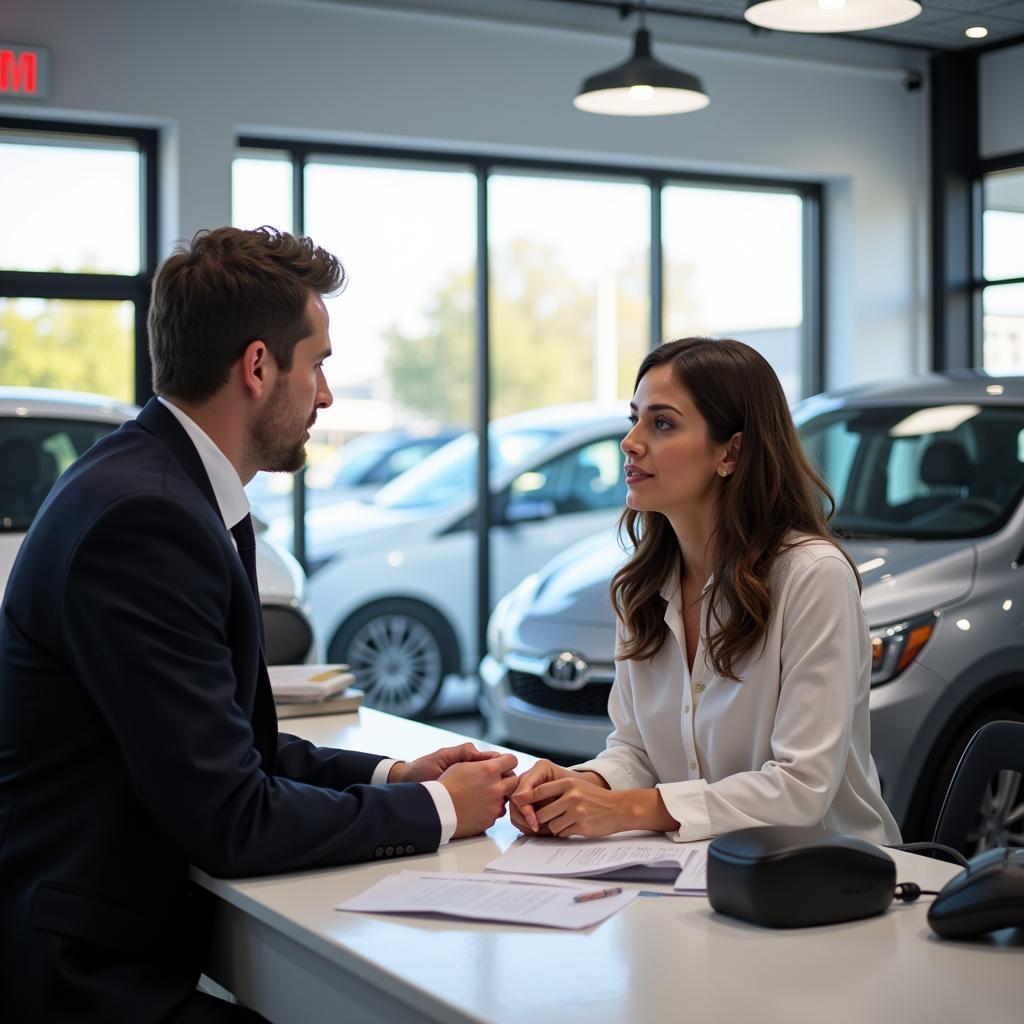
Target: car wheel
<point x="1000" y="818"/>
<point x="399" y="652"/>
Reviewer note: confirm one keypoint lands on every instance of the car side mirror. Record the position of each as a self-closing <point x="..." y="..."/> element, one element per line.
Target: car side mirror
<point x="529" y="510"/>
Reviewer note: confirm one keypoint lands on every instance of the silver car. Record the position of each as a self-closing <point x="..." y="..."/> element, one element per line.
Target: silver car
<point x="928" y="475"/>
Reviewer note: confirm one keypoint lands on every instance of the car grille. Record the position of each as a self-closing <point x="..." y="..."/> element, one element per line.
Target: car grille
<point x="592" y="700"/>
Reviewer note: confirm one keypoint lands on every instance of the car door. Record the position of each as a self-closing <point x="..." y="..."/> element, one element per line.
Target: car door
<point x="549" y="507"/>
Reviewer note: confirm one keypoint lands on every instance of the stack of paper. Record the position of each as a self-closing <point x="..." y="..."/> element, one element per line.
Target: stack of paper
<point x="536" y="901"/>
<point x="308" y="683"/>
<point x="655" y="858"/>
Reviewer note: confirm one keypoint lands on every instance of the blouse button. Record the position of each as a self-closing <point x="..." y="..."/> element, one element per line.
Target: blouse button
<point x="693" y="765"/>
<point x="686" y="709"/>
<point x="699" y="687"/>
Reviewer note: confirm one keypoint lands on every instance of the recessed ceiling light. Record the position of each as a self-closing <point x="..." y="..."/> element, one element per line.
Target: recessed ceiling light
<point x="976" y="32"/>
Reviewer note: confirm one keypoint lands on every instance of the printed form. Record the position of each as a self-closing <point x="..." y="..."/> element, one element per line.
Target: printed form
<point x="626" y="856"/>
<point x="482" y="897"/>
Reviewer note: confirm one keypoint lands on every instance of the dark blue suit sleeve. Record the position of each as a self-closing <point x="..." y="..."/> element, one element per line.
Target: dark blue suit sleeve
<point x="303" y="761"/>
<point x="145" y="621"/>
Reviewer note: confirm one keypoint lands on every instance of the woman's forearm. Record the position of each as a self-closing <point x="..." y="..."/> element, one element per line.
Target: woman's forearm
<point x="644" y="809"/>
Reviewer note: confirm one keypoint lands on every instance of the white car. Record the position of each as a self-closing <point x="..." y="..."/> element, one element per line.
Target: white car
<point x="42" y="432"/>
<point x="397" y="600"/>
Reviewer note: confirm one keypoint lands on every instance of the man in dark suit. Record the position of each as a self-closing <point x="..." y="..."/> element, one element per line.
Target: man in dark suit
<point x="137" y="727"/>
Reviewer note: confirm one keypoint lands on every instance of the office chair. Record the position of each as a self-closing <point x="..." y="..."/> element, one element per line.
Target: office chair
<point x="995" y="747"/>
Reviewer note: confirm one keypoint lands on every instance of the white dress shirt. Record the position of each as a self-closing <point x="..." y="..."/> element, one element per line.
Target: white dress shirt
<point x="234" y="507"/>
<point x="788" y="744"/>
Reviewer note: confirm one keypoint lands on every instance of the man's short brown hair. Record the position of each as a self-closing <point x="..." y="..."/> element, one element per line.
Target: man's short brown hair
<point x="223" y="290"/>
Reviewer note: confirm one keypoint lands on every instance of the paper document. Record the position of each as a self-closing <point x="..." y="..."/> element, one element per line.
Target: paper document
<point x="308" y="682"/>
<point x="647" y="857"/>
<point x="485" y="897"/>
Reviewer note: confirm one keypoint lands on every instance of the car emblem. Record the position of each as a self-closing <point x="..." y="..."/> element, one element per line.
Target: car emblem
<point x="566" y="671"/>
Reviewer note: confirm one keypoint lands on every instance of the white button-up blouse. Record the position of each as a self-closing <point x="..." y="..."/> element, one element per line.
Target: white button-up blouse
<point x="788" y="744"/>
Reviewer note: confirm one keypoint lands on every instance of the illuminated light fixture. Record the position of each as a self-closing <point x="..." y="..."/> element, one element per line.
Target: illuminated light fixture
<point x="829" y="15"/>
<point x="641" y="87"/>
<point x="976" y="32"/>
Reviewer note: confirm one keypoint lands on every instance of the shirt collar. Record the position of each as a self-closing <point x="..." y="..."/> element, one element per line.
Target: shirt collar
<point x="224" y="478"/>
<point x="671" y="591"/>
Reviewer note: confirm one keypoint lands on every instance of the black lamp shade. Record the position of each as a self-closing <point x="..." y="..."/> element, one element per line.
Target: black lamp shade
<point x="641" y="86"/>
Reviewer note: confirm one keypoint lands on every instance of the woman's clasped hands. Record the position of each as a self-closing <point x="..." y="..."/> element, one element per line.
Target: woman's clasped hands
<point x="555" y="801"/>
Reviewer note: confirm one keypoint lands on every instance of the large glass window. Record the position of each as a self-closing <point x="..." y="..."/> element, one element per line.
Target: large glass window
<point x="71" y="344"/>
<point x="570" y="297"/>
<point x="69" y="203"/>
<point x="261" y="190"/>
<point x="1002" y="296"/>
<point x="75" y="257"/>
<point x="734" y="268"/>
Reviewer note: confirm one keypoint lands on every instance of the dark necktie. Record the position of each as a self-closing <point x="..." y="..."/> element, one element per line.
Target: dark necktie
<point x="245" y="538"/>
<point x="264" y="717"/>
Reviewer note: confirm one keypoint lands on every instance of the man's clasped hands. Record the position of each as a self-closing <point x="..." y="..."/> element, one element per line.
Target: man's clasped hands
<point x="546" y="800"/>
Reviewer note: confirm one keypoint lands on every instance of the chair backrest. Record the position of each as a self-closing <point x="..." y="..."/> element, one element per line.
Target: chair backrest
<point x="995" y="747"/>
<point x="946" y="463"/>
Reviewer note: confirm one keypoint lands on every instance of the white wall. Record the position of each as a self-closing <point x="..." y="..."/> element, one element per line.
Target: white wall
<point x="1001" y="99"/>
<point x="205" y="70"/>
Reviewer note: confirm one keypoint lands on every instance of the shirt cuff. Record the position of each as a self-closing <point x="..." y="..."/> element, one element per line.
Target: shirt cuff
<point x="617" y="776"/>
<point x="685" y="802"/>
<point x="382" y="771"/>
<point x="445" y="809"/>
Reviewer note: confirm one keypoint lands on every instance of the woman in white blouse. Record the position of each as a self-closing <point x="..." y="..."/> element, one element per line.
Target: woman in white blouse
<point x="742" y="655"/>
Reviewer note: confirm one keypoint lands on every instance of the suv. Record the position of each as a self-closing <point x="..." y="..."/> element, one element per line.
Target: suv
<point x="928" y="476"/>
<point x="42" y="432"/>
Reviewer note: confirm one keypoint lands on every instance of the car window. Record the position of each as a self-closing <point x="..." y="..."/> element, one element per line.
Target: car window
<point x="941" y="471"/>
<point x="449" y="474"/>
<point x="33" y="453"/>
<point x="585" y="479"/>
<point x="398" y="461"/>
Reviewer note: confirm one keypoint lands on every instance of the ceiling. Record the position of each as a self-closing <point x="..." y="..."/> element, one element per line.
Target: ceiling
<point x="940" y="26"/>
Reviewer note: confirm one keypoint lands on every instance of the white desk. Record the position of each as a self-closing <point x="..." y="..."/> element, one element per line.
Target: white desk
<point x="284" y="951"/>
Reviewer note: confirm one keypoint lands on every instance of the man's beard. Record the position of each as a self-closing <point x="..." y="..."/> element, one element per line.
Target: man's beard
<point x="273" y="445"/>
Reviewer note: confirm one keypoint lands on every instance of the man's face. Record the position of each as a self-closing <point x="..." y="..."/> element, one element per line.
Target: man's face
<point x="280" y="434"/>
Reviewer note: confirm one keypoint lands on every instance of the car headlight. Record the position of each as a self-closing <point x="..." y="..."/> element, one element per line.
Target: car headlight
<point x="894" y="647"/>
<point x="497" y="647"/>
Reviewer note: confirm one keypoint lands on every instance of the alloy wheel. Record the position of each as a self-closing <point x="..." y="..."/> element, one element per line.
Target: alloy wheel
<point x="397" y="662"/>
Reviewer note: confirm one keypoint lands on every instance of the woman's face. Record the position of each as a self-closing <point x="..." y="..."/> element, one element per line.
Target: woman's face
<point x="672" y="465"/>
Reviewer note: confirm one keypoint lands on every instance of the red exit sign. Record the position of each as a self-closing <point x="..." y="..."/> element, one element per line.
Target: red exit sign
<point x="24" y="72"/>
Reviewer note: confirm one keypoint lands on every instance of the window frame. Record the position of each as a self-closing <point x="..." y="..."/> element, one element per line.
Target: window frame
<point x="482" y="165"/>
<point x="134" y="288"/>
<point x="1006" y="162"/>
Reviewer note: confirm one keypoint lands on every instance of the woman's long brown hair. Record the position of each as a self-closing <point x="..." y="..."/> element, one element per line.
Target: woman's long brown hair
<point x="773" y="492"/>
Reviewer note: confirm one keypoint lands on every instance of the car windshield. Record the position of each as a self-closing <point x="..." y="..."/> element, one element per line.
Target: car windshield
<point x="924" y="472"/>
<point x="33" y="453"/>
<point x="450" y="473"/>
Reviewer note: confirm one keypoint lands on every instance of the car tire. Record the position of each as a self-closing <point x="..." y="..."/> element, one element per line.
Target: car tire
<point x="399" y="651"/>
<point x="1004" y="797"/>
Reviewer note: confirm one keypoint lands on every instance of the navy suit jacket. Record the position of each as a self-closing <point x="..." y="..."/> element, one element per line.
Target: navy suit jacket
<point x="138" y="736"/>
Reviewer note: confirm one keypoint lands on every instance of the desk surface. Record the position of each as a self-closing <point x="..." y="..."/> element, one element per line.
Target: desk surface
<point x="284" y="951"/>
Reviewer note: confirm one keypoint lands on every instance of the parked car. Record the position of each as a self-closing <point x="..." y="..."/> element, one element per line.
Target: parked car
<point x="396" y="601"/>
<point x="355" y="470"/>
<point x="42" y="432"/>
<point x="928" y="476"/>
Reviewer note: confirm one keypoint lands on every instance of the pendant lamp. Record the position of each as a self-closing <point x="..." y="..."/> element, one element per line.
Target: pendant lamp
<point x="830" y="15"/>
<point x="641" y="87"/>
